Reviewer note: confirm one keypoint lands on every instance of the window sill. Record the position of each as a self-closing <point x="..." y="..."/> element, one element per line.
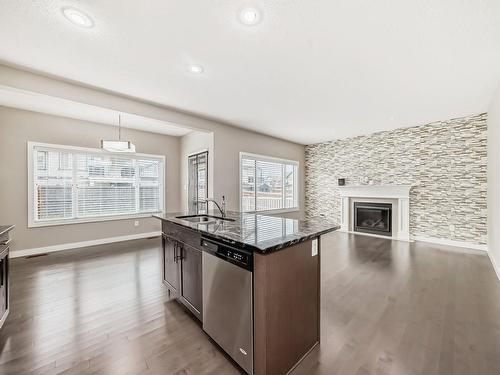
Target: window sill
<point x="276" y="211"/>
<point x="88" y="220"/>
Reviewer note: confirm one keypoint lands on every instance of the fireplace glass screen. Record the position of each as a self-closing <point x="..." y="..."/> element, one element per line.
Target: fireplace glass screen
<point x="375" y="218"/>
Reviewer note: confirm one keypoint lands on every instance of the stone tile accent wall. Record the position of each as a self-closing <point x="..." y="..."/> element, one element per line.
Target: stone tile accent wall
<point x="446" y="162"/>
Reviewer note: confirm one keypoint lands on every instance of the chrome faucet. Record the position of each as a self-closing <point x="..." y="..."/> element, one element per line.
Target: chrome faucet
<point x="221" y="209"/>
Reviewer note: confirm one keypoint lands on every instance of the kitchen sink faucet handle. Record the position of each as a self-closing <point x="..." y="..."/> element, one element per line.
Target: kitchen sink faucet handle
<point x="221" y="209"/>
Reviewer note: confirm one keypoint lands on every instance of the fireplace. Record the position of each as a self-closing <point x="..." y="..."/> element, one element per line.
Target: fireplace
<point x="374" y="218"/>
<point x="397" y="196"/>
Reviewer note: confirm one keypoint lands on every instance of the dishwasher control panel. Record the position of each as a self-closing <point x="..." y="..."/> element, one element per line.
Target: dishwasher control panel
<point x="238" y="257"/>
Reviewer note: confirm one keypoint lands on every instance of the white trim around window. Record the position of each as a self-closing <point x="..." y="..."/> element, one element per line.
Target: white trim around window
<point x="73" y="176"/>
<point x="285" y="205"/>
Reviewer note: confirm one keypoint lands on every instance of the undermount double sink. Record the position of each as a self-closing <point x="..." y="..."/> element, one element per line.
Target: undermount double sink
<point x="203" y="219"/>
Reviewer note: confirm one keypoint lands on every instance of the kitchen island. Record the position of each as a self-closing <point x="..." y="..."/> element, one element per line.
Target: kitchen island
<point x="252" y="280"/>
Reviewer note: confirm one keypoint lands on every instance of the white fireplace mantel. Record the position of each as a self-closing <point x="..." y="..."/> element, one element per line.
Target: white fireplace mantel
<point x="398" y="194"/>
<point x="376" y="191"/>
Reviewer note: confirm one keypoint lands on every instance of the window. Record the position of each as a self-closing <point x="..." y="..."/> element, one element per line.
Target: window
<point x="268" y="184"/>
<point x="258" y="228"/>
<point x="198" y="182"/>
<point x="42" y="160"/>
<point x="73" y="185"/>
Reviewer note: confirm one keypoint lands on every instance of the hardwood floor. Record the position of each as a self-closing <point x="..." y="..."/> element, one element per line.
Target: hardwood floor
<point x="388" y="307"/>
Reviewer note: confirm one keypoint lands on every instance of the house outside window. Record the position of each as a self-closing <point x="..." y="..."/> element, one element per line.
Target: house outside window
<point x="268" y="184"/>
<point x="74" y="185"/>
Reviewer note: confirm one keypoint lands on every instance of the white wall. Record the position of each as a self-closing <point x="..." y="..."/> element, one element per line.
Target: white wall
<point x="228" y="141"/>
<point x="494" y="182"/>
<point x="17" y="127"/>
<point x="228" y="145"/>
<point x="224" y="149"/>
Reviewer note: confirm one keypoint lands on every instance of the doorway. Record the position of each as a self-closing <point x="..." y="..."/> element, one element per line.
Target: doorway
<point x="198" y="183"/>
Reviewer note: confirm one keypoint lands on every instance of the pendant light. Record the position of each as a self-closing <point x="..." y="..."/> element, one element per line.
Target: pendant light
<point x="119" y="145"/>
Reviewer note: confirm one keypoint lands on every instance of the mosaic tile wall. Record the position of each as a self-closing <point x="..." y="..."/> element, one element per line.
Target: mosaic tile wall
<point x="446" y="162"/>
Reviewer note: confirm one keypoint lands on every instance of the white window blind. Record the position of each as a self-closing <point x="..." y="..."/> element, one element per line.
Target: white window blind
<point x="267" y="183"/>
<point x="70" y="184"/>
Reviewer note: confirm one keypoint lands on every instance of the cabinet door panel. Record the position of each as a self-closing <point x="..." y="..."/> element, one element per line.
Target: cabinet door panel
<point x="191" y="290"/>
<point x="171" y="251"/>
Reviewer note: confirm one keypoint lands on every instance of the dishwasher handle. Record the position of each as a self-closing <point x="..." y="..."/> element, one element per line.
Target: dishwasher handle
<point x="209" y="246"/>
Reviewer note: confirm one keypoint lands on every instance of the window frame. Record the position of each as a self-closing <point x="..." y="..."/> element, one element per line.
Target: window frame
<point x="33" y="223"/>
<point x="202" y="151"/>
<point x="271" y="159"/>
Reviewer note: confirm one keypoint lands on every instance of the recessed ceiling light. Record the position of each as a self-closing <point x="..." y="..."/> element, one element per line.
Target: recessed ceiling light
<point x="249" y="16"/>
<point x="77" y="17"/>
<point x="195" y="69"/>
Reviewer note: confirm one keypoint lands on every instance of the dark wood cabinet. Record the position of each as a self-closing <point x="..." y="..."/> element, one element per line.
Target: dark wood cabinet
<point x="286" y="307"/>
<point x="4" y="283"/>
<point x="191" y="287"/>
<point x="171" y="266"/>
<point x="4" y="271"/>
<point x="182" y="273"/>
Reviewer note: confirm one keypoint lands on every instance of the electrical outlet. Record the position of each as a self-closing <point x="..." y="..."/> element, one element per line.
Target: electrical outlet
<point x="136" y="223"/>
<point x="314" y="250"/>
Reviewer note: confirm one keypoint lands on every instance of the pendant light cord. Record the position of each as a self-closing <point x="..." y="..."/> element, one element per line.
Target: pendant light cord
<point x="119" y="126"/>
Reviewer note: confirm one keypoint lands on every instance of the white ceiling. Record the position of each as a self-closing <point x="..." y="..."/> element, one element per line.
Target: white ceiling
<point x="310" y="71"/>
<point x="15" y="98"/>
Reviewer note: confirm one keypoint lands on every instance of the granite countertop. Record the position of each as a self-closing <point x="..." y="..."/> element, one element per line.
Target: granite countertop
<point x="257" y="232"/>
<point x="5" y="228"/>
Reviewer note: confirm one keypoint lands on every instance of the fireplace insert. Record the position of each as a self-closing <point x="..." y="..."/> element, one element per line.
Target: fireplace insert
<point x="375" y="218"/>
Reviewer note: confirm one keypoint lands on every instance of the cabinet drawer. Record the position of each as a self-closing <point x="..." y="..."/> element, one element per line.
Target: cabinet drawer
<point x="181" y="234"/>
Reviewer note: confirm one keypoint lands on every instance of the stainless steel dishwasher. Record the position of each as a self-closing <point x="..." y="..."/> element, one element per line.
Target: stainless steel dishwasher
<point x="227" y="300"/>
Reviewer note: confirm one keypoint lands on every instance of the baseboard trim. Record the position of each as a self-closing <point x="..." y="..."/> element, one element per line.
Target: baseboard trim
<point x="440" y="241"/>
<point x="376" y="235"/>
<point x="495" y="265"/>
<point x="437" y="241"/>
<point x="76" y="245"/>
